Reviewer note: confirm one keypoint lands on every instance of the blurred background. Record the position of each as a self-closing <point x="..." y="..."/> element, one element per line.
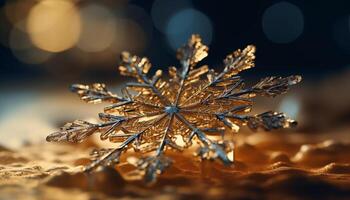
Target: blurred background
<point x="45" y="45"/>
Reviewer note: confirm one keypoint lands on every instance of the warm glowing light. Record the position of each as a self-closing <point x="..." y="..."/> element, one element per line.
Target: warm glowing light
<point x="54" y="25"/>
<point x="98" y="28"/>
<point x="291" y="106"/>
<point x="31" y="55"/>
<point x="16" y="12"/>
<point x="130" y="36"/>
<point x="19" y="39"/>
<point x="23" y="49"/>
<point x="180" y="141"/>
<point x="231" y="156"/>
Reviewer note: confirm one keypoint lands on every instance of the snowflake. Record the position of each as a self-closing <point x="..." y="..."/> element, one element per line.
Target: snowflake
<point x="193" y="105"/>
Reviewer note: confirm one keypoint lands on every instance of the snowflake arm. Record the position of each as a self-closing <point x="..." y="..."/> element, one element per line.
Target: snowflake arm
<point x="211" y="150"/>
<point x="96" y="93"/>
<point x="234" y="63"/>
<point x="112" y="156"/>
<point x="138" y="68"/>
<point x="194" y="104"/>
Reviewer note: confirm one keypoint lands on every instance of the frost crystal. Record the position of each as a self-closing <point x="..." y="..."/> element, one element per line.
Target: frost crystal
<point x="193" y="104"/>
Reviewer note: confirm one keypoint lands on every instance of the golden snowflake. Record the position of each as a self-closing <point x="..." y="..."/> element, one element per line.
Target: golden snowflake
<point x="192" y="105"/>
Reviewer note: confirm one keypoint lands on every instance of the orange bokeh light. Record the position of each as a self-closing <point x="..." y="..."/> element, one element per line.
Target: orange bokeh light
<point x="54" y="25"/>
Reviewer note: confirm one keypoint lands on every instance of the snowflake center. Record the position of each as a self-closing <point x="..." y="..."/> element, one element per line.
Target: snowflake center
<point x="171" y="109"/>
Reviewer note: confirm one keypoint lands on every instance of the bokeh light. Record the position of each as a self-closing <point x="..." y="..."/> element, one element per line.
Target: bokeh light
<point x="32" y="55"/>
<point x="19" y="39"/>
<point x="32" y="122"/>
<point x="186" y="22"/>
<point x="162" y="10"/>
<point x="54" y="25"/>
<point x="98" y="28"/>
<point x="23" y="49"/>
<point x="17" y="11"/>
<point x="291" y="106"/>
<point x="283" y="22"/>
<point x="134" y="29"/>
<point x="130" y="37"/>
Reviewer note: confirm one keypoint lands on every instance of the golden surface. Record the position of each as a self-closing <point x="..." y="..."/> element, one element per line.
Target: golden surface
<point x="268" y="165"/>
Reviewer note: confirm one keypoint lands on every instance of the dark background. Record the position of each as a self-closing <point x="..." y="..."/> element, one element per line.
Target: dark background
<point x="310" y="38"/>
<point x="46" y="45"/>
<point x="322" y="47"/>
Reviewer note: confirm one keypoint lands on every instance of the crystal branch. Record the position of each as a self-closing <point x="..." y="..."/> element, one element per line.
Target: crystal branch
<point x="153" y="112"/>
<point x="211" y="150"/>
<point x="113" y="156"/>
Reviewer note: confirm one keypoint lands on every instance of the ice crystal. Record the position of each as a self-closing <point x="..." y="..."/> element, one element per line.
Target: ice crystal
<point x="195" y="104"/>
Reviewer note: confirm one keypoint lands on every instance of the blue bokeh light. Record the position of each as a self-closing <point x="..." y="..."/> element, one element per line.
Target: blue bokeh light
<point x="185" y="23"/>
<point x="283" y="22"/>
<point x="162" y="10"/>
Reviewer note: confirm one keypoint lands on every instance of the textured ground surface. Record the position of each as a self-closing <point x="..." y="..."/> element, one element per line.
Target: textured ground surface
<point x="269" y="165"/>
<point x="312" y="162"/>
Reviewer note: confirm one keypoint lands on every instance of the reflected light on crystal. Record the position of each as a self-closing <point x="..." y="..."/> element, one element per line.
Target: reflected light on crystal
<point x="290" y="106"/>
<point x="283" y="22"/>
<point x="54" y="25"/>
<point x="231" y="156"/>
<point x="185" y="23"/>
<point x="98" y="28"/>
<point x="180" y="141"/>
